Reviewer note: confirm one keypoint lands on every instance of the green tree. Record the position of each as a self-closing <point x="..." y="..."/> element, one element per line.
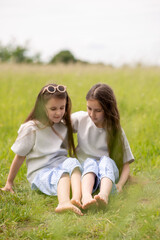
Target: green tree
<point x="5" y="53"/>
<point x="64" y="56"/>
<point x="19" y="54"/>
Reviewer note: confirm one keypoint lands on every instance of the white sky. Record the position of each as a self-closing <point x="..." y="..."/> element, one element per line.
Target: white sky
<point x="109" y="31"/>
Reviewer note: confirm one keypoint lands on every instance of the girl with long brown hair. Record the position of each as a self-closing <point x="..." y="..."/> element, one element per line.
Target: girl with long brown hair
<point x="102" y="148"/>
<point x="45" y="140"/>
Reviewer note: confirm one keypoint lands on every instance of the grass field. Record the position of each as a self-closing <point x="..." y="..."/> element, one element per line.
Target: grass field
<point x="132" y="215"/>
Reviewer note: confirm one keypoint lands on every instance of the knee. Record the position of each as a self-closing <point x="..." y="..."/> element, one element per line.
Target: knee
<point x="90" y="163"/>
<point x="71" y="163"/>
<point x="105" y="161"/>
<point x="107" y="167"/>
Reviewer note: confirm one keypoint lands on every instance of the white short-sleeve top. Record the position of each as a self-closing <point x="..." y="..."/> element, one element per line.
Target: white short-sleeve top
<point x="92" y="140"/>
<point x="41" y="146"/>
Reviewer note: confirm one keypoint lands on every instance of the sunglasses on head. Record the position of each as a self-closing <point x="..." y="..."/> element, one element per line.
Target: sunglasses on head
<point x="52" y="89"/>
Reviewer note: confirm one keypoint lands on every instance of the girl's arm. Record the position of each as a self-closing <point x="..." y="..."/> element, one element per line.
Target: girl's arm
<point x="124" y="176"/>
<point x="15" y="166"/>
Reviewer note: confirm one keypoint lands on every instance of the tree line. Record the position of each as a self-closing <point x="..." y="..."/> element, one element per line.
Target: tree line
<point x="20" y="54"/>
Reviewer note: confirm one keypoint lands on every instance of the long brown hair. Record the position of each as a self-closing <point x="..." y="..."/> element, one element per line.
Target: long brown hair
<point x="39" y="113"/>
<point x="105" y="96"/>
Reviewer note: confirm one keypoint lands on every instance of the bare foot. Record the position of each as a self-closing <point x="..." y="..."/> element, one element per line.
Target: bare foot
<point x="76" y="203"/>
<point x="101" y="199"/>
<point x="88" y="202"/>
<point x="68" y="206"/>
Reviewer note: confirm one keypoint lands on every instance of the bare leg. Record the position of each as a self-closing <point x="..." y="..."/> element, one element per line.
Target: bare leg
<point x="76" y="187"/>
<point x="105" y="189"/>
<point x="63" y="191"/>
<point x="87" y="187"/>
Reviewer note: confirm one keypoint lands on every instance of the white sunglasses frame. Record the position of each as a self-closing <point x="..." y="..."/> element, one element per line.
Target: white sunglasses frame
<point x="55" y="88"/>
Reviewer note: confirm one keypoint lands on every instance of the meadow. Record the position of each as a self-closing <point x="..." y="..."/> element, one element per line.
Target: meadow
<point x="133" y="214"/>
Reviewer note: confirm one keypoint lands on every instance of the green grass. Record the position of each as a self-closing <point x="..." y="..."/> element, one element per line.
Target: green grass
<point x="133" y="214"/>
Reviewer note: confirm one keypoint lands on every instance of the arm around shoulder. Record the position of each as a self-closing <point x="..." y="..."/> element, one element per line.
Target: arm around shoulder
<point x="76" y="118"/>
<point x="15" y="166"/>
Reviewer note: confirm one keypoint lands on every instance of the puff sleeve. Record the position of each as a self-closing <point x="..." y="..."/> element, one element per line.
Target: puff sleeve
<point x="127" y="153"/>
<point x="74" y="118"/>
<point x="25" y="140"/>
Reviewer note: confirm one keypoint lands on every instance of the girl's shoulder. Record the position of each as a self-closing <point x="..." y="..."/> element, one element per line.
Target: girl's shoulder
<point x="29" y="126"/>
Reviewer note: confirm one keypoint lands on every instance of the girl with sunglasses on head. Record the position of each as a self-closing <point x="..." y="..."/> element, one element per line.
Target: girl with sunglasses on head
<point x="44" y="140"/>
<point x="102" y="148"/>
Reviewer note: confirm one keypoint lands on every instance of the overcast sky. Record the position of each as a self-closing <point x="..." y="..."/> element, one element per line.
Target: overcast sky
<point x="110" y="31"/>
